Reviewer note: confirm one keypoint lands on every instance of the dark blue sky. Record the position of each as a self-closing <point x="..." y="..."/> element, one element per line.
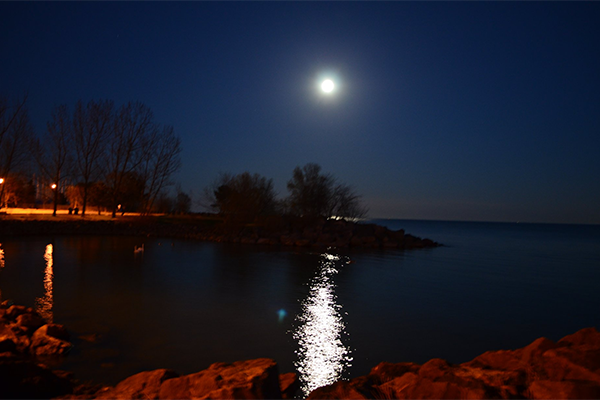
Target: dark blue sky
<point x="444" y="110"/>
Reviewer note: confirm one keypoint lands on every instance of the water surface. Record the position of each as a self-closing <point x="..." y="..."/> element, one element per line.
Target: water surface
<point x="326" y="314"/>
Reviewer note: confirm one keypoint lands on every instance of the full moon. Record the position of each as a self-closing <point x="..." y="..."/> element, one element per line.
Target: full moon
<point x="327" y="86"/>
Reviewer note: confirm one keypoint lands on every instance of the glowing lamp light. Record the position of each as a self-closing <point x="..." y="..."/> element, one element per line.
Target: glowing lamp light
<point x="53" y="186"/>
<point x="1" y="181"/>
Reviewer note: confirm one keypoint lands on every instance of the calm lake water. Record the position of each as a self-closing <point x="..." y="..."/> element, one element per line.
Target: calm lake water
<point x="184" y="305"/>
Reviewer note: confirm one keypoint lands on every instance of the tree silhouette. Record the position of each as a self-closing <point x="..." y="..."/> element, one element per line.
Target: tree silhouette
<point x="314" y="194"/>
<point x="243" y="197"/>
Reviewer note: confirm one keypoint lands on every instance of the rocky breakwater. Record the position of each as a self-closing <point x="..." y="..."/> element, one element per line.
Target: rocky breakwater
<point x="321" y="232"/>
<point x="27" y="345"/>
<point x="567" y="369"/>
<point x="277" y="230"/>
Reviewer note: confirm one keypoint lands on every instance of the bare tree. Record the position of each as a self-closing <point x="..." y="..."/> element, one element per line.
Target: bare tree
<point x="126" y="149"/>
<point x="315" y="194"/>
<point x="53" y="154"/>
<point x="16" y="135"/>
<point x="345" y="203"/>
<point x="182" y="203"/>
<point x="310" y="191"/>
<point x="92" y="127"/>
<point x="242" y="197"/>
<point x="160" y="160"/>
<point x="9" y="115"/>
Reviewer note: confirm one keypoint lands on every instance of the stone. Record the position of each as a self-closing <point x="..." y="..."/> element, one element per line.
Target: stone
<point x="587" y="337"/>
<point x="145" y="385"/>
<point x="569" y="368"/>
<point x="15" y="310"/>
<point x="251" y="379"/>
<point x="190" y="386"/>
<point x="289" y="385"/>
<point x="302" y="242"/>
<point x="385" y="371"/>
<point x="50" y="340"/>
<point x="13" y="339"/>
<point x="545" y="389"/>
<point x="30" y="322"/>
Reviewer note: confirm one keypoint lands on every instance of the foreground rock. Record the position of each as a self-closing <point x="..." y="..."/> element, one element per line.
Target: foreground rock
<point x="27" y="344"/>
<point x="568" y="369"/>
<point x="251" y="379"/>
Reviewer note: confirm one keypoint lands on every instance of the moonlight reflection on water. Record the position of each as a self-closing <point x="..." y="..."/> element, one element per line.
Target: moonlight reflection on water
<point x="322" y="356"/>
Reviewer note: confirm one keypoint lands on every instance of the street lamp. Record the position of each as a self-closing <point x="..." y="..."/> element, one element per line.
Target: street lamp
<point x="2" y="193"/>
<point x="53" y="186"/>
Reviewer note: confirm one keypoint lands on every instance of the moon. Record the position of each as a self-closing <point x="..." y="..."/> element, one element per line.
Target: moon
<point x="327" y="86"/>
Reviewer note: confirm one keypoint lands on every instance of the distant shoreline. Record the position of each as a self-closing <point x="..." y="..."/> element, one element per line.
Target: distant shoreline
<point x="273" y="231"/>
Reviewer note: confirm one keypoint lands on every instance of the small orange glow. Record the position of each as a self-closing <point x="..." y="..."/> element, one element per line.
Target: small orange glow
<point x="1" y="181"/>
<point x="53" y="186"/>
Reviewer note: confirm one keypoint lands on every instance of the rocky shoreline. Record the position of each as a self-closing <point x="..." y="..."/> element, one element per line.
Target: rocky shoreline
<point x="277" y="231"/>
<point x="567" y="369"/>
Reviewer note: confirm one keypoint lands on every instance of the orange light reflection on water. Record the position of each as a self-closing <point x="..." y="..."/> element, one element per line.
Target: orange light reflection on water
<point x="45" y="304"/>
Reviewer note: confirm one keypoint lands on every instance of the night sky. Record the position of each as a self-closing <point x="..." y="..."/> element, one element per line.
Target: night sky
<point x="485" y="111"/>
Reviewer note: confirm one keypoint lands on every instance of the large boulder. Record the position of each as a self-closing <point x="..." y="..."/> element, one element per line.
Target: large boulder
<point x="15" y="310"/>
<point x="251" y="379"/>
<point x="569" y="368"/>
<point x="13" y="339"/>
<point x="30" y="322"/>
<point x="50" y="340"/>
<point x="145" y="385"/>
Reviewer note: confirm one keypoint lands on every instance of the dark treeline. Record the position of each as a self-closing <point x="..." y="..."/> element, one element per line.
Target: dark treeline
<point x="118" y="158"/>
<point x="245" y="196"/>
<point x="96" y="154"/>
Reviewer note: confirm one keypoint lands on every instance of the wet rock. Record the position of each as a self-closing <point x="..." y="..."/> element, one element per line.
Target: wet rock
<point x="50" y="340"/>
<point x="31" y="322"/>
<point x="544" y="389"/>
<point x="289" y="385"/>
<point x="190" y="386"/>
<point x="145" y="385"/>
<point x="13" y="339"/>
<point x="569" y="368"/>
<point x="252" y="379"/>
<point x="15" y="310"/>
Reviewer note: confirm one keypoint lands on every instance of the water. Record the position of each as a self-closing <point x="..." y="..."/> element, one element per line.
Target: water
<point x="184" y="304"/>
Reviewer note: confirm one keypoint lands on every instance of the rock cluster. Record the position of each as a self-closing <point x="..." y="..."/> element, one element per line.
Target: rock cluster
<point x="26" y="344"/>
<point x="283" y="231"/>
<point x="251" y="379"/>
<point x="321" y="232"/>
<point x="567" y="369"/>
